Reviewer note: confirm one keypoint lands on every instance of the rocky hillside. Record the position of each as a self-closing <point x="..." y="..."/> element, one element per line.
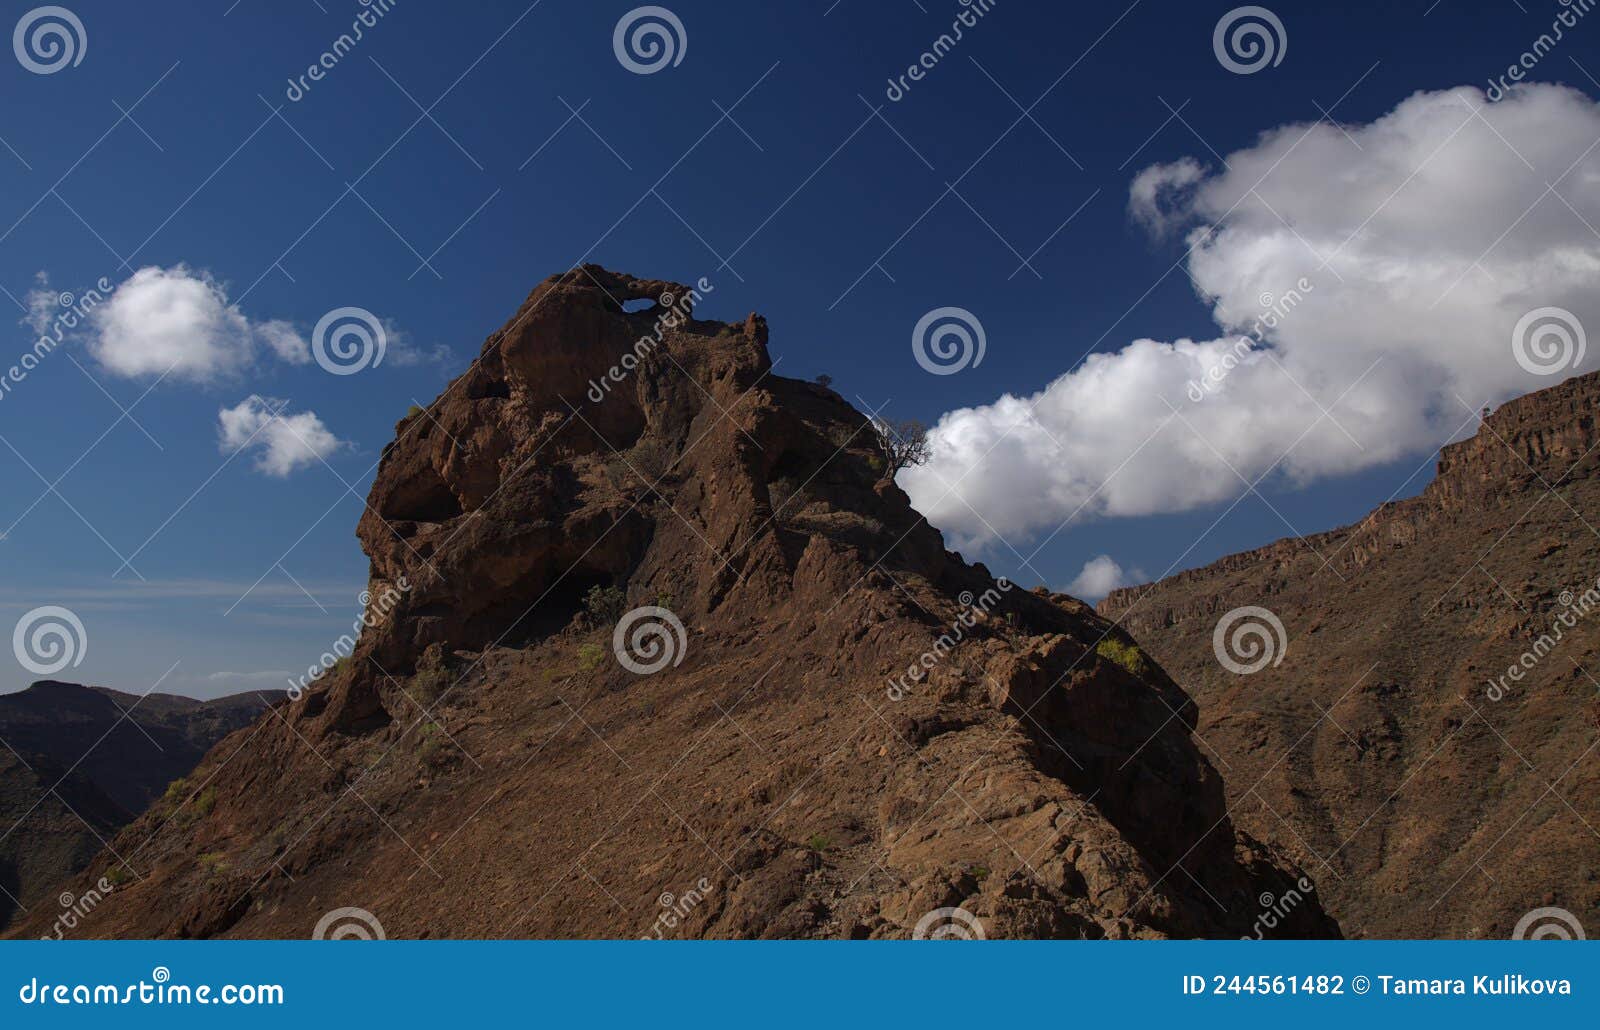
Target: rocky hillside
<point x="1387" y="745"/>
<point x="79" y="763"/>
<point x="657" y="649"/>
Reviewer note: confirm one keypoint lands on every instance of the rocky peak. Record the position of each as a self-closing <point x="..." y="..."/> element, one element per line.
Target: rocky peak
<point x="591" y="444"/>
<point x="856" y="729"/>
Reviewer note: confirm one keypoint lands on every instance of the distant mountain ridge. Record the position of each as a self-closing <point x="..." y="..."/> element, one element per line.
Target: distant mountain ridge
<point x="1378" y="752"/>
<point x="80" y="762"/>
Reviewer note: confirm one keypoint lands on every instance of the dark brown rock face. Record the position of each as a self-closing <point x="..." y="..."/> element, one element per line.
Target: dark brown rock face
<point x="853" y="728"/>
<point x="1433" y="794"/>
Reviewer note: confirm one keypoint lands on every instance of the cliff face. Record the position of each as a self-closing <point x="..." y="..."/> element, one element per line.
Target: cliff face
<point x="79" y="763"/>
<point x="654" y="648"/>
<point x="1390" y="751"/>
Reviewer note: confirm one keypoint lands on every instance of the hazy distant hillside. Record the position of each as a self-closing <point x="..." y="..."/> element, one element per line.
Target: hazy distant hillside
<point x="80" y="762"/>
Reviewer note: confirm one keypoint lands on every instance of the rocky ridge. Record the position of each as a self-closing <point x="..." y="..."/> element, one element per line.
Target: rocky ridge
<point x="1388" y="749"/>
<point x="515" y="750"/>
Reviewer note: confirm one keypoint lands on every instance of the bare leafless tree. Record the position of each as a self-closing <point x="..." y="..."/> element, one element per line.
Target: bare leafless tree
<point x="904" y="444"/>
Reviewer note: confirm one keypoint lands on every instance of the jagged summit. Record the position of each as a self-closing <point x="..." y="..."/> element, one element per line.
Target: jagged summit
<point x="826" y="725"/>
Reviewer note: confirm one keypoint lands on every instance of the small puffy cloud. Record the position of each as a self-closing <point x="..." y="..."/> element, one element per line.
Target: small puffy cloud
<point x="402" y="351"/>
<point x="1158" y="195"/>
<point x="284" y="340"/>
<point x="1368" y="285"/>
<point x="171" y="318"/>
<point x="283" y="442"/>
<point x="42" y="303"/>
<point x="1099" y="577"/>
<point x="179" y="322"/>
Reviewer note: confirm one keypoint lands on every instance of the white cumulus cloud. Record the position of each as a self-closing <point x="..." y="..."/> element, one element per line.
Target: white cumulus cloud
<point x="1099" y="577"/>
<point x="1376" y="274"/>
<point x="171" y="318"/>
<point x="283" y="442"/>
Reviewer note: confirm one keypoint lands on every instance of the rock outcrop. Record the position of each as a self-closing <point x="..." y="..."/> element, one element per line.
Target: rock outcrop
<point x="1391" y="751"/>
<point x="656" y="649"/>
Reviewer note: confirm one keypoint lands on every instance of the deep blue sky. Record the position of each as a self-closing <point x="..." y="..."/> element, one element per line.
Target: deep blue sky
<point x="223" y="185"/>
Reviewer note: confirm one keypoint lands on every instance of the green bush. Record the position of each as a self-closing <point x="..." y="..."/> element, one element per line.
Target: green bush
<point x="177" y="790"/>
<point x="1126" y="655"/>
<point x="605" y="604"/>
<point x="590" y="656"/>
